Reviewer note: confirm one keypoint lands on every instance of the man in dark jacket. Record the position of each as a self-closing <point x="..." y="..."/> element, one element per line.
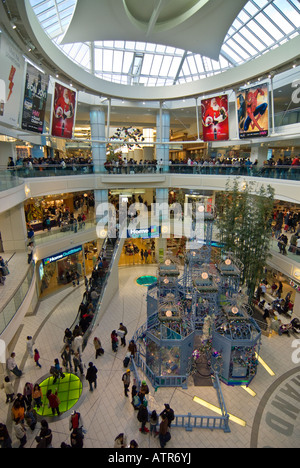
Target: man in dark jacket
<point x="168" y="413"/>
<point x="91" y="376"/>
<point x="142" y="416"/>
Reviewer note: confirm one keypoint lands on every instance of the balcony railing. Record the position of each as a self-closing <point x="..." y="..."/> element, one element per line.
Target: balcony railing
<point x="9" y="310"/>
<point x="8" y="180"/>
<point x="271" y="172"/>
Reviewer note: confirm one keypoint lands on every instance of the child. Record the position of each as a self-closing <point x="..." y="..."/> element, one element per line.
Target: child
<point x="153" y="423"/>
<point x="36" y="358"/>
<point x="9" y="391"/>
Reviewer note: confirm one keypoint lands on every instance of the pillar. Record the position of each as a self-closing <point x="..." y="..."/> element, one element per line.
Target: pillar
<point x="163" y="135"/>
<point x="97" y="118"/>
<point x="259" y="153"/>
<point x="162" y="198"/>
<point x="13" y="229"/>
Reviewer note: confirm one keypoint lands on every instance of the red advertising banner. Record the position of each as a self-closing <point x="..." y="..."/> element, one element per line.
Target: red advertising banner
<point x="215" y="118"/>
<point x="63" y="111"/>
<point x="253" y="115"/>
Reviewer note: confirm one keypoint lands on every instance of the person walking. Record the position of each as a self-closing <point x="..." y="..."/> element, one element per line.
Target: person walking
<point x="77" y="344"/>
<point x="126" y="381"/>
<point x="77" y="363"/>
<point x="57" y="371"/>
<point x="122" y="332"/>
<point x="67" y="358"/>
<point x="9" y="390"/>
<point x="37" y="396"/>
<point x="168" y="413"/>
<point x="53" y="402"/>
<point x="120" y="441"/>
<point x="153" y="420"/>
<point x="114" y="341"/>
<point x="44" y="438"/>
<point x="27" y="393"/>
<point x="132" y="348"/>
<point x="98" y="347"/>
<point x="91" y="376"/>
<point x="143" y="416"/>
<point x="36" y="358"/>
<point x="76" y="439"/>
<point x="164" y="435"/>
<point x="20" y="432"/>
<point x="29" y="346"/>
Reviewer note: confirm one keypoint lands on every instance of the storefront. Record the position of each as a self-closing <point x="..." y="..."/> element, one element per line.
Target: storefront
<point x="60" y="270"/>
<point x="57" y="209"/>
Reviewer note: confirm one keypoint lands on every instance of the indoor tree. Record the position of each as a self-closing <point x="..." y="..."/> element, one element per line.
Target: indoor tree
<point x="244" y="213"/>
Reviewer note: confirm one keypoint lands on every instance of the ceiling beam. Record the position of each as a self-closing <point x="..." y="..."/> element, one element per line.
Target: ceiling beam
<point x="154" y="17"/>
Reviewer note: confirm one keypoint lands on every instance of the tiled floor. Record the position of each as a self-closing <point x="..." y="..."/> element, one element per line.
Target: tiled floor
<point x="272" y="416"/>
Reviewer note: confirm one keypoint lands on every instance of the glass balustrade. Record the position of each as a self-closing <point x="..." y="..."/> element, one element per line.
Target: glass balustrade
<point x="290" y="172"/>
<point x="8" y="180"/>
<point x="9" y="310"/>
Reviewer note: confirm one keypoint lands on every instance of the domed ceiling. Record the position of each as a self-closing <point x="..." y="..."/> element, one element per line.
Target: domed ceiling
<point x="166" y="42"/>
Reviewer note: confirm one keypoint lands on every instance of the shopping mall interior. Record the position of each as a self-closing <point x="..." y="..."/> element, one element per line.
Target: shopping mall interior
<point x="131" y="143"/>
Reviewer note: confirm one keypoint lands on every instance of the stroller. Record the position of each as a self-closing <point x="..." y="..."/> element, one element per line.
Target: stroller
<point x="292" y="327"/>
<point x="295" y="325"/>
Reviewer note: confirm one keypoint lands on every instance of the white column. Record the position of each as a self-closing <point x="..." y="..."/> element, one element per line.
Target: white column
<point x="97" y="118"/>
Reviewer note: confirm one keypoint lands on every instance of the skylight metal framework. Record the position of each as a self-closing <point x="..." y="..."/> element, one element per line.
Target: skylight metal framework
<point x="260" y="26"/>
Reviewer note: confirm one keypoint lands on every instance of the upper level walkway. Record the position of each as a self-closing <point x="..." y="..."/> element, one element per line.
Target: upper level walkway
<point x="287" y="172"/>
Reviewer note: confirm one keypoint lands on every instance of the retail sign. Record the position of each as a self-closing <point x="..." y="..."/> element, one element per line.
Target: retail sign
<point x="60" y="256"/>
<point x="146" y="233"/>
<point x="2" y="352"/>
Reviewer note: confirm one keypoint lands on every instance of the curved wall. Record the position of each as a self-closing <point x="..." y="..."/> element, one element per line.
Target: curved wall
<point x="274" y="60"/>
<point x="284" y="190"/>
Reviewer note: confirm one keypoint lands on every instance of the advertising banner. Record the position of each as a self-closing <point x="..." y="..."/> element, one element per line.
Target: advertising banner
<point x="35" y="98"/>
<point x="11" y="82"/>
<point x="63" y="111"/>
<point x="253" y="111"/>
<point x="215" y="118"/>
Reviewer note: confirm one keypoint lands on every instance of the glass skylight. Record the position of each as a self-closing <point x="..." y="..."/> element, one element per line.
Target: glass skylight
<point x="261" y="25"/>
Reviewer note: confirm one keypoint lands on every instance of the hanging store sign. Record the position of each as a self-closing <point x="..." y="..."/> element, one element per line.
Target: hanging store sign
<point x="145" y="233"/>
<point x="61" y="255"/>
